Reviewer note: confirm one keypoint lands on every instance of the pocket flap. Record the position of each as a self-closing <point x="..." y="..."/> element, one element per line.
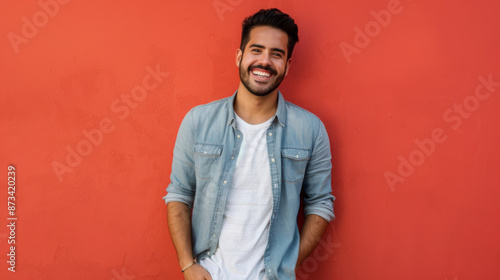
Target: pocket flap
<point x="208" y="149"/>
<point x="296" y="154"/>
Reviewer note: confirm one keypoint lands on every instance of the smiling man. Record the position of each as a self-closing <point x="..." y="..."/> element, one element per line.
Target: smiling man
<point x="240" y="165"/>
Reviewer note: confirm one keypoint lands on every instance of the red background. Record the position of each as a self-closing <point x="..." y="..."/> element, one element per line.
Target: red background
<point x="106" y="218"/>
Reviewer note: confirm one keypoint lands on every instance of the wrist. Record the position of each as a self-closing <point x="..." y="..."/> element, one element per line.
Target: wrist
<point x="185" y="259"/>
<point x="187" y="266"/>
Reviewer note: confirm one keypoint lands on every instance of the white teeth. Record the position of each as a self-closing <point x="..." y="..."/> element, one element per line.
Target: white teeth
<point x="260" y="73"/>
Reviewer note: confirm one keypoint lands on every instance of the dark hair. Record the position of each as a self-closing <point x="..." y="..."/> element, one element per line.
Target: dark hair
<point x="274" y="18"/>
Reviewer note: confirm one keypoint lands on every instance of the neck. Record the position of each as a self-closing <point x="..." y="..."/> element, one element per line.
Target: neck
<point x="255" y="109"/>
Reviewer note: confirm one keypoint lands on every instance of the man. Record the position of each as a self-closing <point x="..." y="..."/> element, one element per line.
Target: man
<point x="240" y="165"/>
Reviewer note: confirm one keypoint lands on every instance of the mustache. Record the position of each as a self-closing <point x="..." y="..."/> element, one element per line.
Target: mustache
<point x="267" y="68"/>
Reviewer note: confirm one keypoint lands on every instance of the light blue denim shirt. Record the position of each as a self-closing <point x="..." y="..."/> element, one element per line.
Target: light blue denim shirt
<point x="205" y="153"/>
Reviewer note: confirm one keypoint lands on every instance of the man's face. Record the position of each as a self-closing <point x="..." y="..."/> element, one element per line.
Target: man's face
<point x="263" y="63"/>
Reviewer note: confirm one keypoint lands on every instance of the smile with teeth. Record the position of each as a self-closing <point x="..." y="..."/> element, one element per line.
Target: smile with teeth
<point x="261" y="74"/>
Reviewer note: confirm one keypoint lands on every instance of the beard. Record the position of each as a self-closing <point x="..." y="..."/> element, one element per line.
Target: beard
<point x="260" y="90"/>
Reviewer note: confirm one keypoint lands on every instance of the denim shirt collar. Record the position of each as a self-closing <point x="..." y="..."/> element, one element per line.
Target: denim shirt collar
<point x="280" y="111"/>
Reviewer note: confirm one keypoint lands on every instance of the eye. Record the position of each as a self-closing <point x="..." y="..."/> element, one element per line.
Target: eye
<point x="256" y="50"/>
<point x="277" y="55"/>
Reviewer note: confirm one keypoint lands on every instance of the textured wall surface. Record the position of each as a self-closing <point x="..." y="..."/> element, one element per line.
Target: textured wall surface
<point x="92" y="94"/>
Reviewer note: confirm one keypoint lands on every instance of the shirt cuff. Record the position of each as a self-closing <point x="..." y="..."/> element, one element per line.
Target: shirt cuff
<point x="188" y="200"/>
<point x="324" y="210"/>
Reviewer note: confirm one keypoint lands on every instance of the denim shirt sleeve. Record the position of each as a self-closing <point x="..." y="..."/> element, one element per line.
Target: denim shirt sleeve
<point x="318" y="198"/>
<point x="182" y="179"/>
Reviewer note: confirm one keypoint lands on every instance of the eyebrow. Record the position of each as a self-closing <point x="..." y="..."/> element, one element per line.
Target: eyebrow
<point x="262" y="47"/>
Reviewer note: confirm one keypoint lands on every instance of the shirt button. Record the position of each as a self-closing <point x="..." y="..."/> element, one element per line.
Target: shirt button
<point x="232" y="157"/>
<point x="270" y="134"/>
<point x="225" y="181"/>
<point x="272" y="159"/>
<point x="213" y="234"/>
<point x="208" y="253"/>
<point x="238" y="136"/>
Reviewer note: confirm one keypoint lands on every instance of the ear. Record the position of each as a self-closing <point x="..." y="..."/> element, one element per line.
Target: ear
<point x="239" y="53"/>
<point x="288" y="64"/>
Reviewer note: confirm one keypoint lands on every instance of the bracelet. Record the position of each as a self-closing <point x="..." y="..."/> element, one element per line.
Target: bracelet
<point x="188" y="266"/>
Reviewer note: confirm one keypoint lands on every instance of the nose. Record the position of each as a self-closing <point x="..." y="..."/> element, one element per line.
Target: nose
<point x="265" y="59"/>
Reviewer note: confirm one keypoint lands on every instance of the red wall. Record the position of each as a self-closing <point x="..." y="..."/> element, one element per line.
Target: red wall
<point x="410" y="103"/>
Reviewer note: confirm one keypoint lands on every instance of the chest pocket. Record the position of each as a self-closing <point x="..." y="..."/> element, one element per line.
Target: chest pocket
<point x="206" y="160"/>
<point x="294" y="162"/>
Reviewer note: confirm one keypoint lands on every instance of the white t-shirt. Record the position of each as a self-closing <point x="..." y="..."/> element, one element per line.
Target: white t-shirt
<point x="245" y="225"/>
